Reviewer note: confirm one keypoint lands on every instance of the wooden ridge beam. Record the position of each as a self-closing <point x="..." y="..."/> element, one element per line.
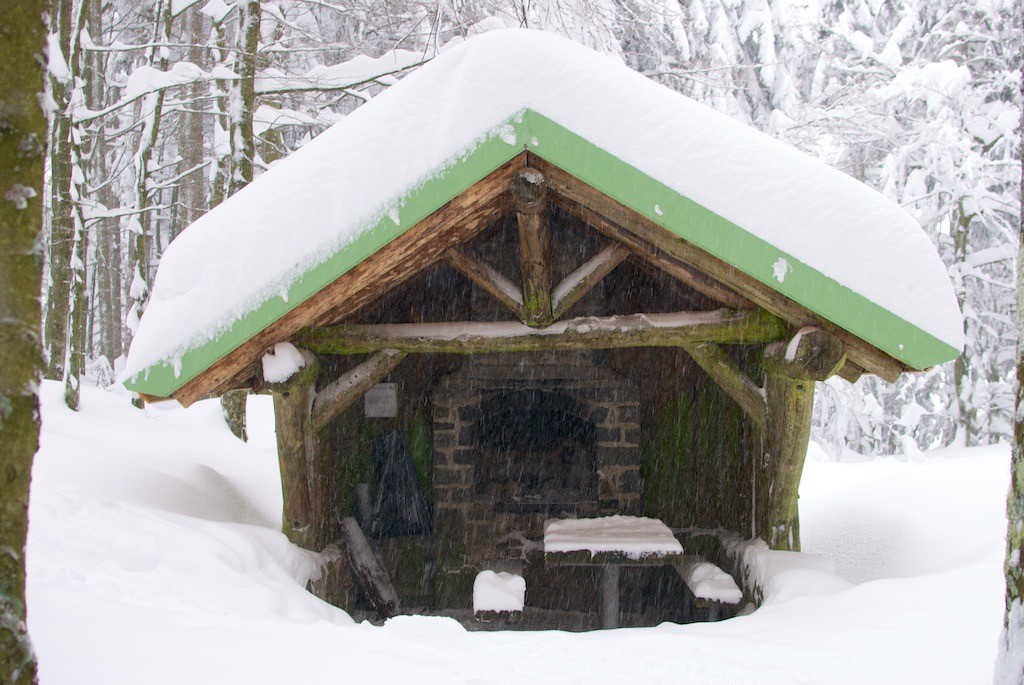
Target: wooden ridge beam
<point x="730" y="378"/>
<point x="592" y="333"/>
<point x="487" y="277"/>
<point x="350" y="386"/>
<point x="529" y="195"/>
<point x="581" y="281"/>
<point x="568" y="191"/>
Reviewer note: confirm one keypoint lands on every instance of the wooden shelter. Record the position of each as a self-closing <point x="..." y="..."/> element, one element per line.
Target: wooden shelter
<point x="546" y="330"/>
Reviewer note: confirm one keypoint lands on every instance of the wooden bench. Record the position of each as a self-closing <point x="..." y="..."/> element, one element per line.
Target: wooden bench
<point x="713" y="589"/>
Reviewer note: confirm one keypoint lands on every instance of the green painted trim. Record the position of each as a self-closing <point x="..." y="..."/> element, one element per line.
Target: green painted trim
<point x="682" y="216"/>
<point x="617" y="179"/>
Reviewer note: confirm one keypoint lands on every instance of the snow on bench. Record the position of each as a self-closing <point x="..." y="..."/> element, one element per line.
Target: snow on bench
<point x="623" y="539"/>
<point x="498" y="595"/>
<point x="709" y="584"/>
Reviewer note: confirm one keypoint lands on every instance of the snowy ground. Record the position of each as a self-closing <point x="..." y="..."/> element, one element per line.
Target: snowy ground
<point x="154" y="558"/>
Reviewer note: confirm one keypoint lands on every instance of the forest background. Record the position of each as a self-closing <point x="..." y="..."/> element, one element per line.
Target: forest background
<point x="163" y="108"/>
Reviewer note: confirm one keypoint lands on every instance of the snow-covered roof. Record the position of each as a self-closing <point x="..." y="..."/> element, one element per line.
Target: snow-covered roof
<point x="811" y="232"/>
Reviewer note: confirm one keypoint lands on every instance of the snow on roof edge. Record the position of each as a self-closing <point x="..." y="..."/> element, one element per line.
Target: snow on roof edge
<point x="318" y="202"/>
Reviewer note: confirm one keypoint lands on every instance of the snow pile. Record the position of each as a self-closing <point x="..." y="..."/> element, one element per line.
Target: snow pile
<point x="775" y="576"/>
<point x="254" y="246"/>
<point x="633" y="536"/>
<point x="282" y="362"/>
<point x="499" y="591"/>
<point x="707" y="581"/>
<point x="154" y="557"/>
<point x="890" y="518"/>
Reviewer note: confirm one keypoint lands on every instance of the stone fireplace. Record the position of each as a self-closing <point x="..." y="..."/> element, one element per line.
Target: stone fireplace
<point x="519" y="439"/>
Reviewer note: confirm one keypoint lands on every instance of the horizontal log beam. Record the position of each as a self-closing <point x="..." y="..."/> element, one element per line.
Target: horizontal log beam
<point x="350" y="386"/>
<point x="730" y="378"/>
<point x="581" y="281"/>
<point x="585" y="333"/>
<point x="488" y="278"/>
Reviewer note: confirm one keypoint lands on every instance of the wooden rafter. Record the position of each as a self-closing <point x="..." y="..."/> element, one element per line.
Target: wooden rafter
<point x="730" y="378"/>
<point x="591" y="332"/>
<point x="352" y="385"/>
<point x="417" y="248"/>
<point x="567" y="191"/>
<point x="488" y="278"/>
<point x="581" y="281"/>
<point x="529" y="195"/>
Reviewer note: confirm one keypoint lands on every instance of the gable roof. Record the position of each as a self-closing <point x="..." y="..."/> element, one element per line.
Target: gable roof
<point x="812" y="233"/>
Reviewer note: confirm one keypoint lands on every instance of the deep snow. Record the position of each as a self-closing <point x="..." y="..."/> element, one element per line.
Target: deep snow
<point x="154" y="557"/>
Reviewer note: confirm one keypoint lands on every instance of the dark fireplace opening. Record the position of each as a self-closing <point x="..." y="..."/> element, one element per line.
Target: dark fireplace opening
<point x="536" y="454"/>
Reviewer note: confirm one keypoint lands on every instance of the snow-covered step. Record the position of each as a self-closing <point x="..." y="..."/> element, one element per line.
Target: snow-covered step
<point x="498" y="595"/>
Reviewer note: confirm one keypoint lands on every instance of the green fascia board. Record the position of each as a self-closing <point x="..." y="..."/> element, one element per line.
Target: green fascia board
<point x="558" y="145"/>
<point x="696" y="224"/>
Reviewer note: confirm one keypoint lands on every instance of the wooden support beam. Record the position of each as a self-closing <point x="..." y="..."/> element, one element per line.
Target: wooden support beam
<point x="585" y="333"/>
<point x="488" y="278"/>
<point x="349" y="387"/>
<point x="730" y="378"/>
<point x="790" y="373"/>
<point x="656" y="258"/>
<point x="568" y="191"/>
<point x="529" y="195"/>
<point x="371" y="572"/>
<point x="581" y="281"/>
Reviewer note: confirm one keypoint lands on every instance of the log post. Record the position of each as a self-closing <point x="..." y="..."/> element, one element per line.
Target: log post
<point x="306" y="482"/>
<point x="529" y="193"/>
<point x="790" y="374"/>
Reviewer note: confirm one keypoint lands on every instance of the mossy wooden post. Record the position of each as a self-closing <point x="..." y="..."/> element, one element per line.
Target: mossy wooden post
<point x="530" y="195"/>
<point x="305" y="481"/>
<point x="790" y="373"/>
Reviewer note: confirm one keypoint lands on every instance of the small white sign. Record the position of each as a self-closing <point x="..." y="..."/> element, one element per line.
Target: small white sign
<point x="381" y="401"/>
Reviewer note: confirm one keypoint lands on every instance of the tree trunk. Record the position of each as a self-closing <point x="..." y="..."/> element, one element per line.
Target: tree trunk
<point x="243" y="149"/>
<point x="232" y="405"/>
<point x="23" y="128"/>
<point x="62" y="227"/>
<point x="192" y="199"/>
<point x="1010" y="660"/>
<point x="141" y="224"/>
